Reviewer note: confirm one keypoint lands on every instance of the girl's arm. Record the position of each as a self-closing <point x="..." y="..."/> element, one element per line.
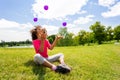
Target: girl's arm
<point x="55" y="41"/>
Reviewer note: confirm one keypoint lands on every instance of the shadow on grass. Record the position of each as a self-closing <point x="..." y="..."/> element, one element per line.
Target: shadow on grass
<point x="37" y="69"/>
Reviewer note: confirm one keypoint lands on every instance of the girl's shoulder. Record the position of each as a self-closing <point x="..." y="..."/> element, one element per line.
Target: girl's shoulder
<point x="46" y="40"/>
<point x="36" y="40"/>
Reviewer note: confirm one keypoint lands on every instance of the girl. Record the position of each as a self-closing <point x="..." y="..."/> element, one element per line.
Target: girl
<point x="41" y="44"/>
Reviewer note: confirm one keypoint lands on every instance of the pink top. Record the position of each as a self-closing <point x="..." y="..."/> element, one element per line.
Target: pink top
<point x="36" y="44"/>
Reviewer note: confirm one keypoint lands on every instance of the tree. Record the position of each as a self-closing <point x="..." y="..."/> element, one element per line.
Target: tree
<point x="51" y="38"/>
<point x="28" y="41"/>
<point x="82" y="38"/>
<point x="117" y="33"/>
<point x="63" y="31"/>
<point x="109" y="33"/>
<point x="99" y="32"/>
<point x="2" y="44"/>
<point x="76" y="41"/>
<point x="88" y="38"/>
<point x="67" y="40"/>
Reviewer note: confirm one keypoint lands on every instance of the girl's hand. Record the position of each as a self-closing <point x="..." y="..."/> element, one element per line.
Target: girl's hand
<point x="39" y="36"/>
<point x="59" y="37"/>
<point x="43" y="37"/>
<point x="43" y="34"/>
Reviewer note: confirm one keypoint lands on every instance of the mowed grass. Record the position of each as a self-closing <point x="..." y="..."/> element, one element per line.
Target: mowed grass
<point x="97" y="62"/>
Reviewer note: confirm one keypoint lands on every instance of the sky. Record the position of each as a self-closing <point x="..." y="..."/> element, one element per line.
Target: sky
<point x="16" y="16"/>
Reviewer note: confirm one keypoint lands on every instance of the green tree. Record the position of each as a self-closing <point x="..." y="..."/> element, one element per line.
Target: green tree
<point x="28" y="41"/>
<point x="99" y="32"/>
<point x="51" y="38"/>
<point x="67" y="40"/>
<point x="82" y="37"/>
<point x="75" y="40"/>
<point x="2" y="44"/>
<point x="117" y="33"/>
<point x="88" y="38"/>
<point x="109" y="33"/>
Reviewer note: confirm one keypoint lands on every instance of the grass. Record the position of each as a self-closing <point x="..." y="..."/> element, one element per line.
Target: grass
<point x="97" y="62"/>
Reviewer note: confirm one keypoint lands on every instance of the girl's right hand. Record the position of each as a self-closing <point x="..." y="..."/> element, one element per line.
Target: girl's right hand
<point x="42" y="37"/>
<point x="39" y="36"/>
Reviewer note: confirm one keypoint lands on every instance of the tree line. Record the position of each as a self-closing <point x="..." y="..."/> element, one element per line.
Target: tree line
<point x="98" y="34"/>
<point x="15" y="43"/>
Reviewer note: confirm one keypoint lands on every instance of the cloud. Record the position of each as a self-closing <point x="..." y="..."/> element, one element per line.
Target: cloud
<point x="113" y="8"/>
<point x="113" y="11"/>
<point x="60" y="9"/>
<point x="51" y="29"/>
<point x="7" y="24"/>
<point x="13" y="31"/>
<point x="57" y="8"/>
<point x="82" y="12"/>
<point x="72" y="27"/>
<point x="84" y="20"/>
<point x="106" y="3"/>
<point x="80" y="24"/>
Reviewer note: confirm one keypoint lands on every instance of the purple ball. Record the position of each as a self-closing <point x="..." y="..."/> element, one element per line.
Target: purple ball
<point x="64" y="23"/>
<point x="46" y="7"/>
<point x="35" y="19"/>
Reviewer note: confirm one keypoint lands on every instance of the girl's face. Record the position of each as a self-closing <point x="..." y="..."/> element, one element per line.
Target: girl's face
<point x="38" y="29"/>
<point x="44" y="33"/>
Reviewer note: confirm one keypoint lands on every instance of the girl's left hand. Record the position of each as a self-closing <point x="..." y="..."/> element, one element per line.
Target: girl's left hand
<point x="59" y="37"/>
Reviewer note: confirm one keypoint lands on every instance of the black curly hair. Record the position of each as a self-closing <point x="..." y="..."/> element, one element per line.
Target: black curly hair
<point x="34" y="32"/>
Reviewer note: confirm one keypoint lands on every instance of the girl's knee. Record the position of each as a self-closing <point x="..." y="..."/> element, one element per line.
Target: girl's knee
<point x="38" y="59"/>
<point x="61" y="55"/>
<point x="37" y="55"/>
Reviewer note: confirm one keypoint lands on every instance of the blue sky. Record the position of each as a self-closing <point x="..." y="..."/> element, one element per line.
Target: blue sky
<point x="16" y="16"/>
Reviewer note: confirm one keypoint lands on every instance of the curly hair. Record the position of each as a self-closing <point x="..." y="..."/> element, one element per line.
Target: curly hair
<point x="34" y="32"/>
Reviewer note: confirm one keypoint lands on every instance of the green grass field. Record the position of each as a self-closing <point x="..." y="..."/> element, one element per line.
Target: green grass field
<point x="97" y="62"/>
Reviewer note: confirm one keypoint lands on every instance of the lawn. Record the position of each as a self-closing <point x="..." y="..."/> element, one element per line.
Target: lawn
<point x="97" y="62"/>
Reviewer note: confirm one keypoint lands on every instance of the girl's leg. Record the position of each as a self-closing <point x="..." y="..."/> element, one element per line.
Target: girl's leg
<point x="41" y="60"/>
<point x="59" y="57"/>
<point x="56" y="57"/>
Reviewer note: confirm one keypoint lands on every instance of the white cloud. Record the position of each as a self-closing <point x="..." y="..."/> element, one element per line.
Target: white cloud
<point x="13" y="31"/>
<point x="82" y="12"/>
<point x="9" y="35"/>
<point x="74" y="27"/>
<point x="57" y="8"/>
<point x="79" y="24"/>
<point x="113" y="8"/>
<point x="113" y="11"/>
<point x="84" y="20"/>
<point x="7" y="24"/>
<point x="106" y="3"/>
<point x="51" y="29"/>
